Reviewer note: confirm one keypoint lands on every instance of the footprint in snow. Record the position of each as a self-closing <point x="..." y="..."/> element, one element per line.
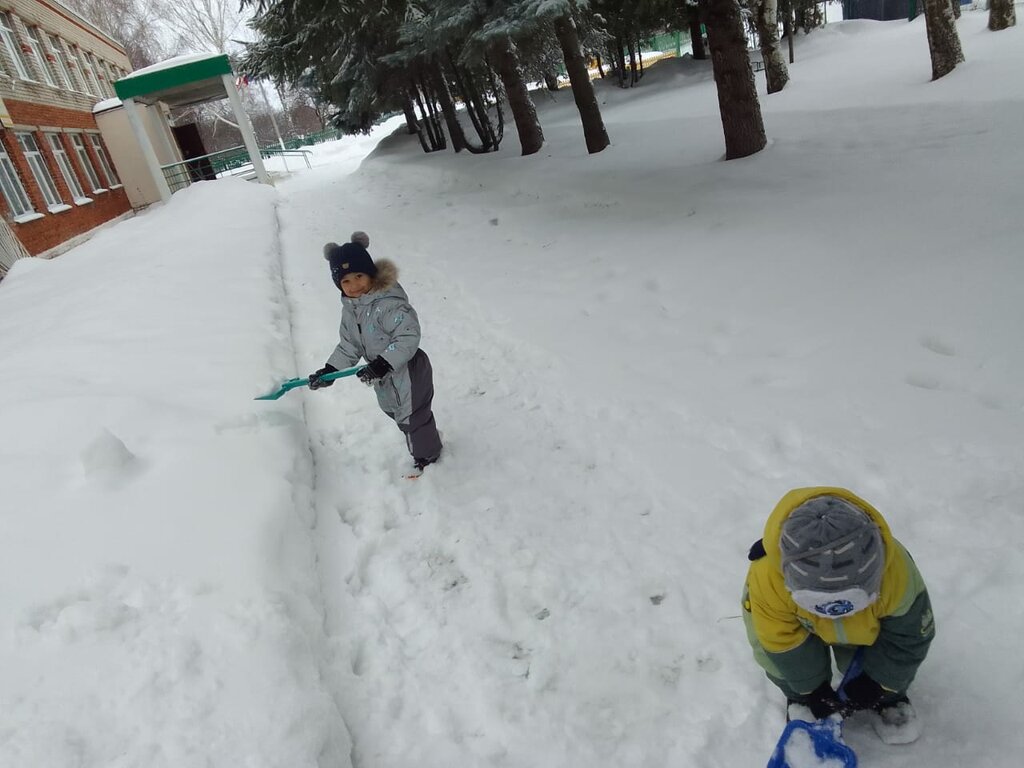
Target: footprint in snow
<point x="924" y="381"/>
<point x="938" y="346"/>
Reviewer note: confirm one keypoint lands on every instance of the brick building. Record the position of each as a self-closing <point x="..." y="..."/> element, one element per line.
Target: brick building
<point x="57" y="180"/>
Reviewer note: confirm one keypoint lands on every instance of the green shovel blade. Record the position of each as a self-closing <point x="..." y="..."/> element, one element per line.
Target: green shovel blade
<point x="291" y="384"/>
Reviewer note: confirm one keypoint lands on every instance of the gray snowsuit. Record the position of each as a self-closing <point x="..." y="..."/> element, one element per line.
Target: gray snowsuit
<point x="382" y="323"/>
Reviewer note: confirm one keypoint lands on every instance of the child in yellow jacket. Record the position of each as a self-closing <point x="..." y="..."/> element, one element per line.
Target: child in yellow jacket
<point x="827" y="579"/>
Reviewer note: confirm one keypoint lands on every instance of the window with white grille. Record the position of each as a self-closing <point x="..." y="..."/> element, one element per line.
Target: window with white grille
<point x="83" y="159"/>
<point x="13" y="46"/>
<point x="107" y="70"/>
<point x="10" y="183"/>
<point x="61" y="62"/>
<point x="105" y="165"/>
<point x="35" y="42"/>
<point x="67" y="170"/>
<point x="37" y="164"/>
<point x="90" y="73"/>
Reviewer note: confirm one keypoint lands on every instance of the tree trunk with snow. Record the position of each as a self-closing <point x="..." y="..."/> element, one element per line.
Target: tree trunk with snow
<point x="734" y="77"/>
<point x="766" y="19"/>
<point x="531" y="136"/>
<point x="943" y="39"/>
<point x="582" y="89"/>
<point x="955" y="5"/>
<point x="1001" y="15"/>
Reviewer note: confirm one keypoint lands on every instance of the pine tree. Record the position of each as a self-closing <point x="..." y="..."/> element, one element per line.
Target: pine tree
<point x="943" y="39"/>
<point x="734" y="78"/>
<point x="766" y="20"/>
<point x="1001" y="15"/>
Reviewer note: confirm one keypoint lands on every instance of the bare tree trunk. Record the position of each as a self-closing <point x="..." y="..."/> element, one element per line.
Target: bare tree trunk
<point x="430" y="130"/>
<point x="737" y="94"/>
<point x="451" y="118"/>
<point x="766" y="19"/>
<point x="410" y="116"/>
<point x="632" y="64"/>
<point x="531" y="136"/>
<point x="640" y="57"/>
<point x="582" y="89"/>
<point x="1001" y="15"/>
<point x="787" y="26"/>
<point x="943" y="40"/>
<point x="620" y="62"/>
<point x="600" y="67"/>
<point x="697" y="39"/>
<point x="551" y="81"/>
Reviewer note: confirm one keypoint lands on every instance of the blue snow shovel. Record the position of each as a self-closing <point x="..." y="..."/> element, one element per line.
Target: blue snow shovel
<point x="826" y="736"/>
<point x="304" y="382"/>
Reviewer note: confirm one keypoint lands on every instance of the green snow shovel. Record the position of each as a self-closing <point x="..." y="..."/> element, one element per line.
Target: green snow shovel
<point x="304" y="382"/>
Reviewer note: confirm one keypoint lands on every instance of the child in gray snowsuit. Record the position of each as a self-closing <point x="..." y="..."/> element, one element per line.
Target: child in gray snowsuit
<point x="379" y="325"/>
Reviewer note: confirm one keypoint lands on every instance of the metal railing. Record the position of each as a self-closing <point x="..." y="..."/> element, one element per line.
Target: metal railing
<point x="234" y="161"/>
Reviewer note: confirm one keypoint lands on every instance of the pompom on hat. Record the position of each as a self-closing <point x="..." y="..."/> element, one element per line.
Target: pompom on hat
<point x="833" y="557"/>
<point x="348" y="258"/>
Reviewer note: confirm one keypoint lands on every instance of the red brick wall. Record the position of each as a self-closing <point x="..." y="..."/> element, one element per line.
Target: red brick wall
<point x="55" y="228"/>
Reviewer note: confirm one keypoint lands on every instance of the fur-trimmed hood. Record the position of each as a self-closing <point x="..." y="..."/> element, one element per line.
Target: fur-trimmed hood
<point x="386" y="277"/>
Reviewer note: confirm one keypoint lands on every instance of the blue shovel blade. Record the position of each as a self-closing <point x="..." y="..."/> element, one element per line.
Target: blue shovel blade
<point x="813" y="745"/>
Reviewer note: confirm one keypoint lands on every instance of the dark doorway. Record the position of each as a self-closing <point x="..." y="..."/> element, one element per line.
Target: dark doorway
<point x="191" y="145"/>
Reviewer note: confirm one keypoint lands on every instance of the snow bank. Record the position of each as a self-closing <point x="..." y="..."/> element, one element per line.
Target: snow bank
<point x="161" y="607"/>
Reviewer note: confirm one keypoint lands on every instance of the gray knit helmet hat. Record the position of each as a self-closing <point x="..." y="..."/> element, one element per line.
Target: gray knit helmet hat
<point x="830" y="545"/>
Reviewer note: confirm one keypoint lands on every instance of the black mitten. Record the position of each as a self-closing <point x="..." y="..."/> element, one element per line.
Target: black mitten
<point x="378" y="369"/>
<point x="863" y="693"/>
<point x="822" y="701"/>
<point x="315" y="382"/>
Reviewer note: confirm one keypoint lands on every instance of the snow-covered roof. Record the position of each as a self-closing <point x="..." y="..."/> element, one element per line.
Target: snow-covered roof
<point x="171" y="63"/>
<point x="106" y="105"/>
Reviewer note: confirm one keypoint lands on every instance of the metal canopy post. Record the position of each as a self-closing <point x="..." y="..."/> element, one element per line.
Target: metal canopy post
<point x="248" y="137"/>
<point x="131" y="109"/>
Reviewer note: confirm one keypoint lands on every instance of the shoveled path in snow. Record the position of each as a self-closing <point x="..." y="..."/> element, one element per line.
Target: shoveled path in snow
<point x="499" y="609"/>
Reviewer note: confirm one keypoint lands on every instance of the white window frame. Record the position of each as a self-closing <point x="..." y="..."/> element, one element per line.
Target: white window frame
<point x="105" y="165"/>
<point x="10" y="36"/>
<point x="67" y="168"/>
<point x="78" y="142"/>
<point x="89" y="68"/>
<point x="18" y="201"/>
<point x="107" y="70"/>
<point x="37" y="164"/>
<point x="56" y="46"/>
<point x="35" y="42"/>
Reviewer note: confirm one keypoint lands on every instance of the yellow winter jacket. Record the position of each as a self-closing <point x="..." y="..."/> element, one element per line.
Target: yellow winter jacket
<point x="779" y="630"/>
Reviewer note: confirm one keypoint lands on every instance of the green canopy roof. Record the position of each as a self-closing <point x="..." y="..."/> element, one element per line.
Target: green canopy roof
<point x="178" y="82"/>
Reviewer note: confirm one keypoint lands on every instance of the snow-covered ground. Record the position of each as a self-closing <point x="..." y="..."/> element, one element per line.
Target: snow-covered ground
<point x="636" y="354"/>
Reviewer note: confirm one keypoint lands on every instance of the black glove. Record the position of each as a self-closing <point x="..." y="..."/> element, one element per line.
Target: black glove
<point x="863" y="693"/>
<point x="378" y="369"/>
<point x="315" y="382"/>
<point x="822" y="701"/>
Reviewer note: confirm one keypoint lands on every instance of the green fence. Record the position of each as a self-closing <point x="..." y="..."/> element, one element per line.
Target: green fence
<point x="330" y="134"/>
<point x="229" y="162"/>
